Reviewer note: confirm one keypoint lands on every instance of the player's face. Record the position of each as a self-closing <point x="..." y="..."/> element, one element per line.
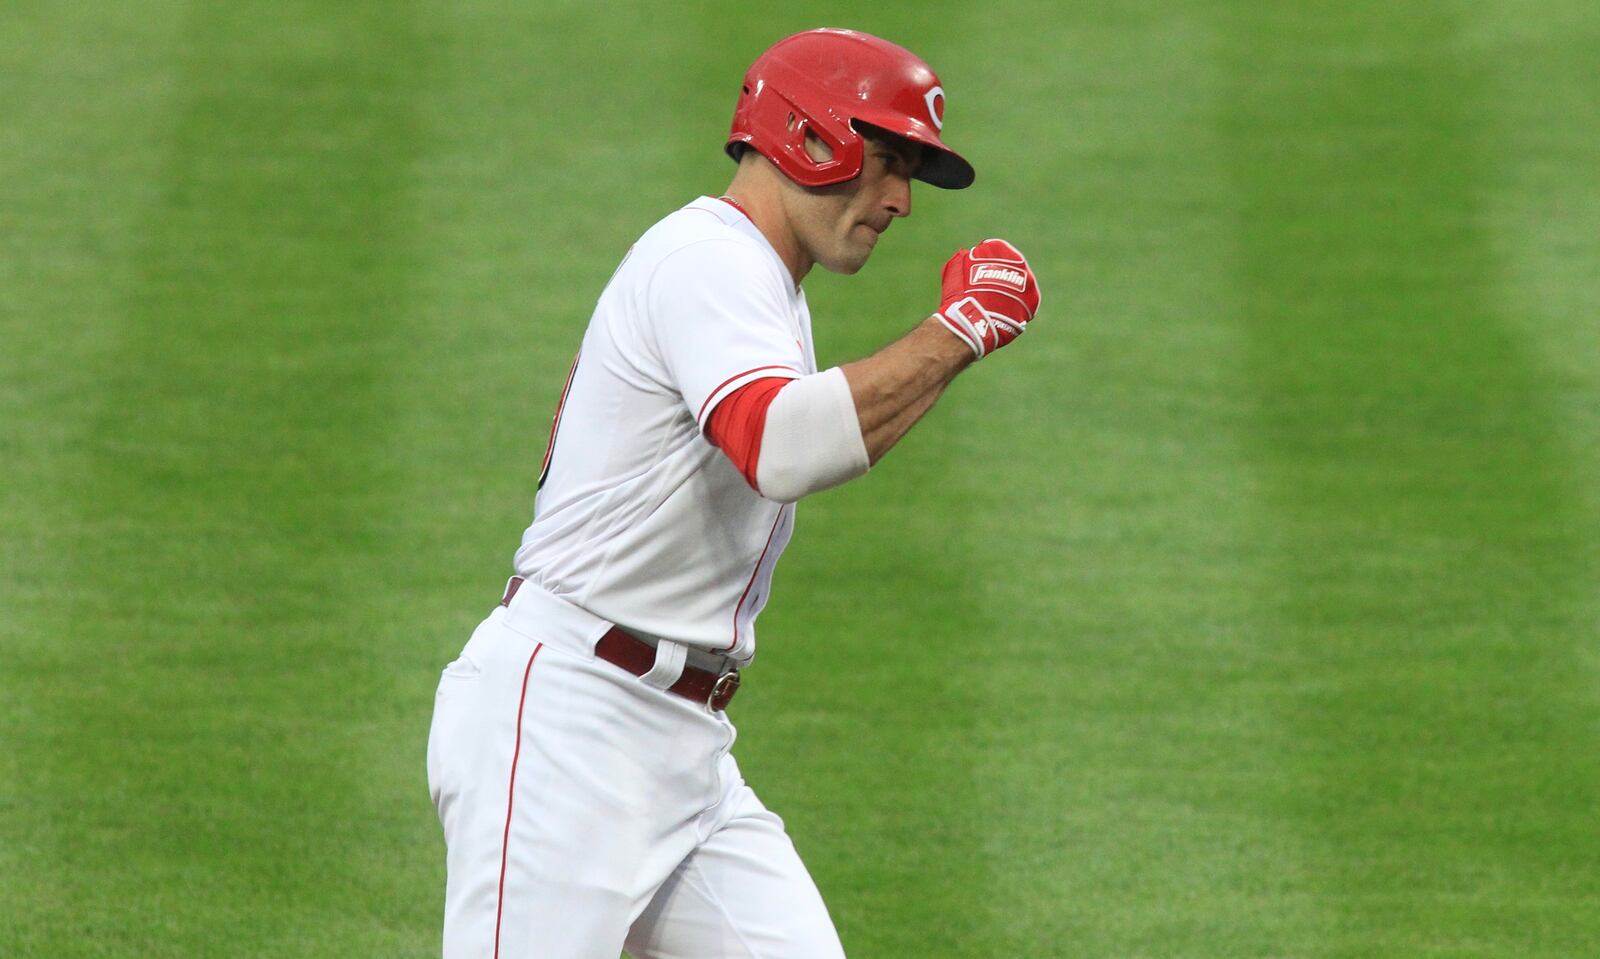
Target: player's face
<point x="839" y="225"/>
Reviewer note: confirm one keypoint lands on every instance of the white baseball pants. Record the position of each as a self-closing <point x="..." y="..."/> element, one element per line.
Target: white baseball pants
<point x="586" y="812"/>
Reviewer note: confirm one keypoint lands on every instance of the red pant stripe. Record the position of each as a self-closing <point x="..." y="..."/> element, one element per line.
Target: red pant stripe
<point x="505" y="839"/>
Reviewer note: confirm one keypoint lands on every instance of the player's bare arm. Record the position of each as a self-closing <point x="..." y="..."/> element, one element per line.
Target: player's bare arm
<point x="895" y="386"/>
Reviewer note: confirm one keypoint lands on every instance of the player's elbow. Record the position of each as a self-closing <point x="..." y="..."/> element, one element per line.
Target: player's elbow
<point x="786" y="484"/>
<point x="812" y="439"/>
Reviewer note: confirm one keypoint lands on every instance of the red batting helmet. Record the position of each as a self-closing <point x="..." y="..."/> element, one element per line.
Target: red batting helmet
<point x="825" y="81"/>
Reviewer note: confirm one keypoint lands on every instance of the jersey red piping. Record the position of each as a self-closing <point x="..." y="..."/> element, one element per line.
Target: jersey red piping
<point x="735" y="204"/>
<point x="511" y="796"/>
<point x="555" y="421"/>
<point x="701" y="418"/>
<point x="753" y="574"/>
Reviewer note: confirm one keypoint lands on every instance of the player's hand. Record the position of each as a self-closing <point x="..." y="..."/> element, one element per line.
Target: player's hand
<point x="989" y="296"/>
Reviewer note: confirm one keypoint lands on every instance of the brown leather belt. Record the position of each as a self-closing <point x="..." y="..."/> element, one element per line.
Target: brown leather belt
<point x="620" y="648"/>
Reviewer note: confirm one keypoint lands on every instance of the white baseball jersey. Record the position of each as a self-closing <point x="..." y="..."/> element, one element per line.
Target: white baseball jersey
<point x="639" y="519"/>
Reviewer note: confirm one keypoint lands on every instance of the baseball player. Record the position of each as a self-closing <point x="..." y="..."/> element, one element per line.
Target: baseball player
<point x="580" y="756"/>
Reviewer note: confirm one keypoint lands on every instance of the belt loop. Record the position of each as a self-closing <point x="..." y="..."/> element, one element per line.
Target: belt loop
<point x="670" y="657"/>
<point x="512" y="585"/>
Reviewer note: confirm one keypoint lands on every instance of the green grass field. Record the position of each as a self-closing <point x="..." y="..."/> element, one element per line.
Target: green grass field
<point x="1248" y="607"/>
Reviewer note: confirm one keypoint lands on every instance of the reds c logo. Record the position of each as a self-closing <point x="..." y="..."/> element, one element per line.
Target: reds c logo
<point x="934" y="98"/>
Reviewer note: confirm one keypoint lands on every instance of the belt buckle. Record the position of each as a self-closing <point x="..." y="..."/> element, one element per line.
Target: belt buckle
<point x="722" y="690"/>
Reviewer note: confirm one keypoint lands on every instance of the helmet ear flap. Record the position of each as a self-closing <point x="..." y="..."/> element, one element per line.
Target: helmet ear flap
<point x="843" y="144"/>
<point x="776" y="126"/>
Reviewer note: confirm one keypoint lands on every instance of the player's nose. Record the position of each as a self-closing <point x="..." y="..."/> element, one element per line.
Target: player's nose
<point x="898" y="198"/>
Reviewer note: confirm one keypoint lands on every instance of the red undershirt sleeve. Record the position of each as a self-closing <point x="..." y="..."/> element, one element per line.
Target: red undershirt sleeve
<point x="737" y="424"/>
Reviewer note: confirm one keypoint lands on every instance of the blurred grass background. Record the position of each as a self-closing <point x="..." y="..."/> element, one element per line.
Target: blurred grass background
<point x="1247" y="608"/>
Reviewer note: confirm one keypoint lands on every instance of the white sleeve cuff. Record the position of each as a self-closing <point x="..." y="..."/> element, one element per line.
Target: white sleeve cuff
<point x="812" y="439"/>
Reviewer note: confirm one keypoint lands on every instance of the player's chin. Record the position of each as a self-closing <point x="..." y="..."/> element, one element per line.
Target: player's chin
<point x="850" y="257"/>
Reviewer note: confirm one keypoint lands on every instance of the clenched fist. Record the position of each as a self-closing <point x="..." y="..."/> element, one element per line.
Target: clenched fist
<point x="989" y="296"/>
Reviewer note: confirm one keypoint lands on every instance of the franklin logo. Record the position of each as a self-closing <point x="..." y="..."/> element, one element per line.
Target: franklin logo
<point x="1001" y="275"/>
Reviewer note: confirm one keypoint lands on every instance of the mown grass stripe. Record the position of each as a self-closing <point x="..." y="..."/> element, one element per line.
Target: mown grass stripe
<point x="77" y="173"/>
<point x="1130" y="757"/>
<point x="1429" y="541"/>
<point x="211" y="672"/>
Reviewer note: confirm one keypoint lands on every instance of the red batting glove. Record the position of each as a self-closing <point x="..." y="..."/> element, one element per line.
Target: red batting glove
<point x="990" y="294"/>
